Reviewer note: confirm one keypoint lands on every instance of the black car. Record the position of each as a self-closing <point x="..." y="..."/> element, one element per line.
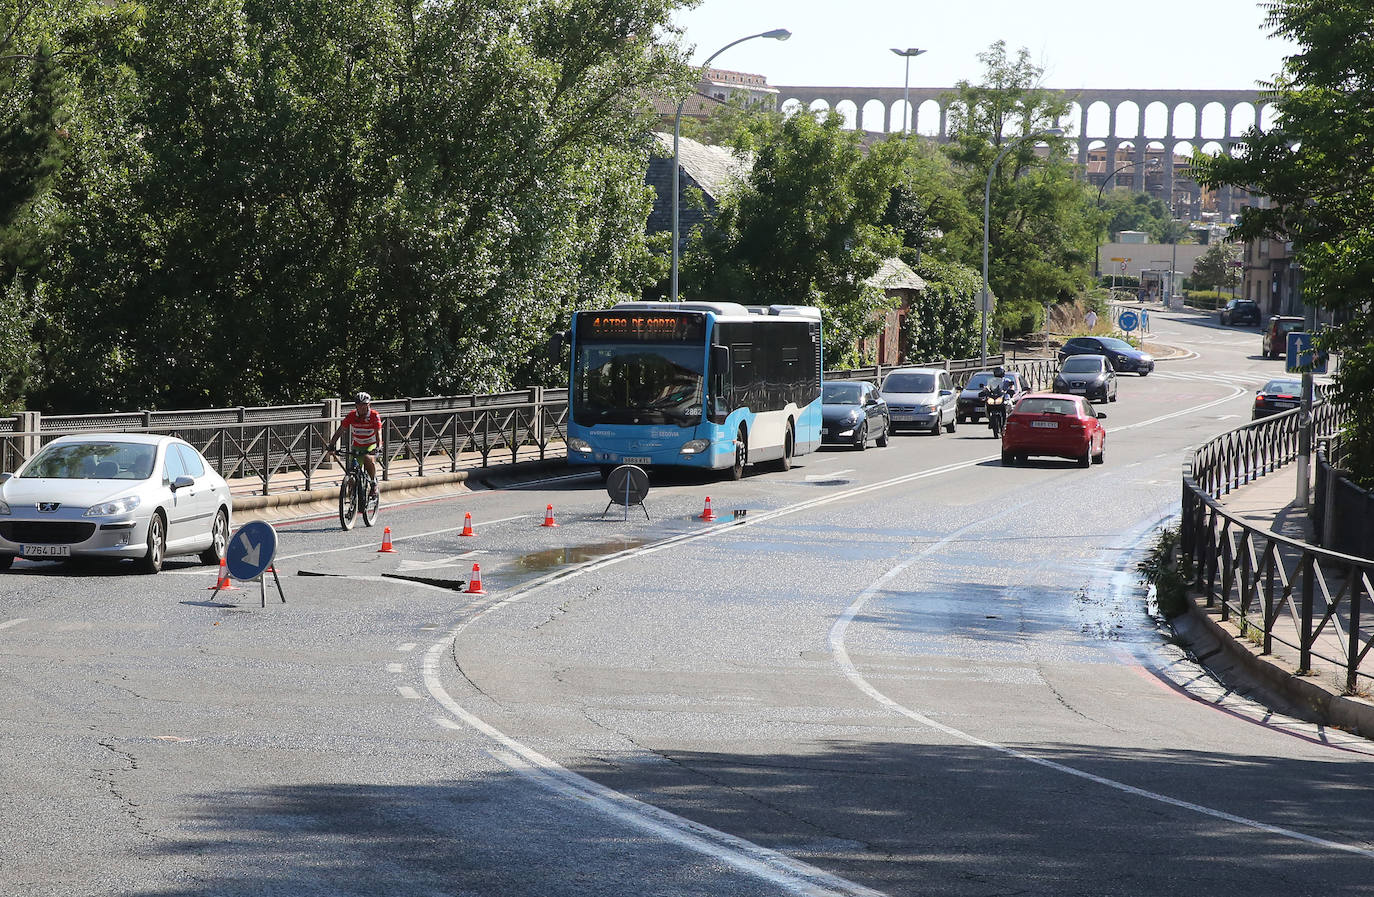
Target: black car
<point x="1121" y="355"/>
<point x="970" y="407"/>
<point x="852" y="413"/>
<point x="1277" y="395"/>
<point x="1241" y="311"/>
<point x="1090" y="376"/>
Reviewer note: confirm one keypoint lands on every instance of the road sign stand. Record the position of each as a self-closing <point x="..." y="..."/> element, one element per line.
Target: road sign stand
<point x="249" y="555"/>
<point x="262" y="585"/>
<point x="627" y="485"/>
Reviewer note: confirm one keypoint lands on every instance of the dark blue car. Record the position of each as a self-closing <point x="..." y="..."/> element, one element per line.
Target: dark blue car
<point x="853" y="413"/>
<point x="1121" y="355"/>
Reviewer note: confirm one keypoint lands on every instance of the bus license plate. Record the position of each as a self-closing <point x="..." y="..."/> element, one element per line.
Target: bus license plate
<point x="632" y="459"/>
<point x="45" y="551"/>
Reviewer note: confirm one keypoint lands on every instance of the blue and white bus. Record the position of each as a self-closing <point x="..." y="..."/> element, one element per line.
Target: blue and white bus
<point x="694" y="384"/>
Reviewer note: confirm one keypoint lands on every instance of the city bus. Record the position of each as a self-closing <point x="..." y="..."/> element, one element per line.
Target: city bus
<point x="711" y="385"/>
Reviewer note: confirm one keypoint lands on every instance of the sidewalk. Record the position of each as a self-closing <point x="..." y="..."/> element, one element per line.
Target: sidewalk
<point x="1269" y="503"/>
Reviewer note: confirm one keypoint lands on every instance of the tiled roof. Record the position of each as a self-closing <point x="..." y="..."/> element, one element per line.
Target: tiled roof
<point x="711" y="169"/>
<point x="896" y="274"/>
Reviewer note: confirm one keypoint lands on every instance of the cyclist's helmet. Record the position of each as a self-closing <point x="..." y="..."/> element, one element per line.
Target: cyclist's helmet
<point x="999" y="372"/>
<point x="362" y="398"/>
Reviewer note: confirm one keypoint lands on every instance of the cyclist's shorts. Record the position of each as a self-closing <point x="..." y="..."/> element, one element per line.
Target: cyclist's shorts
<point x="358" y="451"/>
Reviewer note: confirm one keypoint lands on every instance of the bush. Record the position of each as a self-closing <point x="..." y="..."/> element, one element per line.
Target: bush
<point x="1171" y="576"/>
<point x="1208" y="299"/>
<point x="1122" y="281"/>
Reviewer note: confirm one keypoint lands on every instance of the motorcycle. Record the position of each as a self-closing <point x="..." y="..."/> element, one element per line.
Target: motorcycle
<point x="995" y="404"/>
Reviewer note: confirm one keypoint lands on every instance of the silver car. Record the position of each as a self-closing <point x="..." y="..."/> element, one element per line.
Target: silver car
<point x="921" y="398"/>
<point x="114" y="495"/>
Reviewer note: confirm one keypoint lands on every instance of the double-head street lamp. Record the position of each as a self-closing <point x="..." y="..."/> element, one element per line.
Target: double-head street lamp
<point x="987" y="205"/>
<point x="1097" y="255"/>
<point x="775" y="34"/>
<point x="906" y="86"/>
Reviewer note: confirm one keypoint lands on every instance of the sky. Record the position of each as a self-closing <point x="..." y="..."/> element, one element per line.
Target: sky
<point x="1160" y="45"/>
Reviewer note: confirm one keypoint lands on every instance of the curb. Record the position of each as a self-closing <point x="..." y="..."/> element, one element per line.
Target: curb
<point x="1324" y="701"/>
<point x="419" y="485"/>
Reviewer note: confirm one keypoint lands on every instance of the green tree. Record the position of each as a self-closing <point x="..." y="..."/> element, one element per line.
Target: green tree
<point x="944" y="322"/>
<point x="1042" y="224"/>
<point x="739" y="123"/>
<point x="806" y="229"/>
<point x="1312" y="166"/>
<point x="1127" y="209"/>
<point x="1215" y="269"/>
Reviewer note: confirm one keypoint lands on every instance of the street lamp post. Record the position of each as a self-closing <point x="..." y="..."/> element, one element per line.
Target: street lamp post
<point x="775" y="34"/>
<point x="906" y="86"/>
<point x="987" y="206"/>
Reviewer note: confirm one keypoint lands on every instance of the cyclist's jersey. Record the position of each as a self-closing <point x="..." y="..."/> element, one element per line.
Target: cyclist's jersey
<point x="363" y="431"/>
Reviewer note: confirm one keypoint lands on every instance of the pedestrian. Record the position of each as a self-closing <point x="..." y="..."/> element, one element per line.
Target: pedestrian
<point x="1090" y="319"/>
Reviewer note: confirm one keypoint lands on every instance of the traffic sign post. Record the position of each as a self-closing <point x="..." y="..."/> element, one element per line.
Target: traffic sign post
<point x="249" y="556"/>
<point x="1128" y="320"/>
<point x="1302" y="359"/>
<point x="627" y="485"/>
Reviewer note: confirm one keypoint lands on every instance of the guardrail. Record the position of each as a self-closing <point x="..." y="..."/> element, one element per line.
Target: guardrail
<point x="1317" y="602"/>
<point x="1038" y="372"/>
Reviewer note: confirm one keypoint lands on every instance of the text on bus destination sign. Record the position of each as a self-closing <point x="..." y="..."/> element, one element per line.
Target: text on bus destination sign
<point x="646" y="326"/>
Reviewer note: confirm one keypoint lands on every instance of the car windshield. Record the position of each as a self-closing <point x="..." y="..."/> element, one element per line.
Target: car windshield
<point x="93" y="461"/>
<point x="1119" y="345"/>
<point x="978" y="381"/>
<point x="1282" y="387"/>
<point x="638" y="383"/>
<point x="1035" y="405"/>
<point x="900" y="382"/>
<point x="1082" y="364"/>
<point x="841" y="394"/>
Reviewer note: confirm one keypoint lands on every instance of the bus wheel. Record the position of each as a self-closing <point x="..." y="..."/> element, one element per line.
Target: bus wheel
<point x="741" y="454"/>
<point x="788" y="448"/>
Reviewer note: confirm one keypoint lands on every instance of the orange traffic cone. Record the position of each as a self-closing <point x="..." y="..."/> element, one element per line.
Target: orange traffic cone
<point x="548" y="517"/>
<point x="223" y="583"/>
<point x="386" y="542"/>
<point x="708" y="514"/>
<point x="467" y="526"/>
<point x="475" y="583"/>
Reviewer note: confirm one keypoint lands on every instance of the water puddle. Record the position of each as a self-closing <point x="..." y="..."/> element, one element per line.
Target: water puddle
<point x="552" y="558"/>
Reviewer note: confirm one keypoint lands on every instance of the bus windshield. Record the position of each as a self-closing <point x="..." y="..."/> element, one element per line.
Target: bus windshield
<point x="638" y="383"/>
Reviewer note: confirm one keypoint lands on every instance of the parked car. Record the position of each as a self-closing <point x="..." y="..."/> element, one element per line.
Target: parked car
<point x="1277" y="395"/>
<point x="1057" y="425"/>
<point x="1120" y="354"/>
<point x="1241" y="311"/>
<point x="921" y="397"/>
<point x="1274" y="339"/>
<point x="1087" y="375"/>
<point x="114" y="495"/>
<point x="969" y="407"/>
<point x="852" y="413"/>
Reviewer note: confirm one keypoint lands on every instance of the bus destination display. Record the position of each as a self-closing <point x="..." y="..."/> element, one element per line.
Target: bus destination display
<point x="642" y="326"/>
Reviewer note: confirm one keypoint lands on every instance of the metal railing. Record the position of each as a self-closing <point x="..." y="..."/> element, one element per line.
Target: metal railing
<point x="1037" y="372"/>
<point x="1319" y="603"/>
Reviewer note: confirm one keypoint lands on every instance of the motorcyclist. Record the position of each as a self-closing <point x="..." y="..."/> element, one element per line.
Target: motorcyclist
<point x="996" y="394"/>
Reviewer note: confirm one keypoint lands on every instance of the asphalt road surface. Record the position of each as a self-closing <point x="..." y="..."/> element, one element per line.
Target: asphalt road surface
<point x="909" y="670"/>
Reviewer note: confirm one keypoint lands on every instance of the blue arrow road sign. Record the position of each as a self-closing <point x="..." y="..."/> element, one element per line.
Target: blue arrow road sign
<point x="1300" y="355"/>
<point x="1128" y="321"/>
<point x="251" y="549"/>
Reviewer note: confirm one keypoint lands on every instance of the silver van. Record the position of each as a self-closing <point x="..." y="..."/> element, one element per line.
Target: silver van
<point x="922" y="398"/>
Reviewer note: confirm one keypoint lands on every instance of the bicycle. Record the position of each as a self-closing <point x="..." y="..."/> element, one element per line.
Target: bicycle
<point x="355" y="493"/>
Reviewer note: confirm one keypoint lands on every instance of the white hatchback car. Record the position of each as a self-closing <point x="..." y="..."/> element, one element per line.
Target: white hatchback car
<point x="114" y="495"/>
<point x="921" y="397"/>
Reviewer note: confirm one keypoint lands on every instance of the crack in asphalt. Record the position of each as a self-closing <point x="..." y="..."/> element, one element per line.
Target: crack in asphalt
<point x="108" y="778"/>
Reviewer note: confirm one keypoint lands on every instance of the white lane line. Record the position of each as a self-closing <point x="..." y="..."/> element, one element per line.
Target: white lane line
<point x="406" y="648"/>
<point x="408" y="693"/>
<point x="15" y="622"/>
<point x="841" y="657"/>
<point x="394" y="538"/>
<point x="395" y="668"/>
<point x="829" y="475"/>
<point x="791" y="875"/>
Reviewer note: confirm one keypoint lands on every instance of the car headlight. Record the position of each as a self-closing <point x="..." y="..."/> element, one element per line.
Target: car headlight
<point x="578" y="445"/>
<point x="695" y="447"/>
<point x="849" y="432"/>
<point x="111" y="508"/>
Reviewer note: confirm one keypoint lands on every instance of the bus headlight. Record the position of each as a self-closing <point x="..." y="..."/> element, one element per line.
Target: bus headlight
<point x="578" y="445"/>
<point x="696" y="446"/>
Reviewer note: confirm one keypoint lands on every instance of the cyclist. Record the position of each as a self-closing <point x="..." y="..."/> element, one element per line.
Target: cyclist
<point x="364" y="426"/>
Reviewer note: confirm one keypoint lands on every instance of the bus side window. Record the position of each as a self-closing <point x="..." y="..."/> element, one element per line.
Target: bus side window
<point x="720" y="385"/>
<point x="743" y="375"/>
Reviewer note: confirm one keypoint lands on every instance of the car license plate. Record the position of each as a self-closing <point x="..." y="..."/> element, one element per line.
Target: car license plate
<point x="1078" y="389"/>
<point x="45" y="551"/>
<point x="1285" y="404"/>
<point x="1046" y="424"/>
<point x="634" y="459"/>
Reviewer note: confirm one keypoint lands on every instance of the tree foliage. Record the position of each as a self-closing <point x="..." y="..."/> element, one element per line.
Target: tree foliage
<point x="1315" y="168"/>
<point x="1215" y="269"/>
<point x="1042" y="225"/>
<point x="945" y="322"/>
<point x="281" y="199"/>
<point x="1126" y="209"/>
<point x="805" y="229"/>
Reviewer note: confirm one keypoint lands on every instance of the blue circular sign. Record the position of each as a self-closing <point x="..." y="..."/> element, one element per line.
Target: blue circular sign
<point x="1128" y="321"/>
<point x="250" y="551"/>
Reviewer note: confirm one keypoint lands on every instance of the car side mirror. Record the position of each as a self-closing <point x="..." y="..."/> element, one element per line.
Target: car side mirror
<point x="1101" y="415"/>
<point x="183" y="482"/>
<point x="5" y="476"/>
<point x="946" y="392"/>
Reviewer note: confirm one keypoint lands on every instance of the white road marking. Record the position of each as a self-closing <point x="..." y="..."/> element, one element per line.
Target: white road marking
<point x="476" y="525"/>
<point x="828" y="476"/>
<point x="842" y="660"/>
<point x="408" y="692"/>
<point x="395" y="668"/>
<point x="15" y="622"/>
<point x="407" y="647"/>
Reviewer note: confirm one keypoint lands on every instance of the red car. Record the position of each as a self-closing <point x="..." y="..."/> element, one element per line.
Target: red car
<point x="1061" y="426"/>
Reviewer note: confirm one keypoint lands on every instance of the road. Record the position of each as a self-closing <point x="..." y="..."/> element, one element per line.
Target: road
<point x="904" y="671"/>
